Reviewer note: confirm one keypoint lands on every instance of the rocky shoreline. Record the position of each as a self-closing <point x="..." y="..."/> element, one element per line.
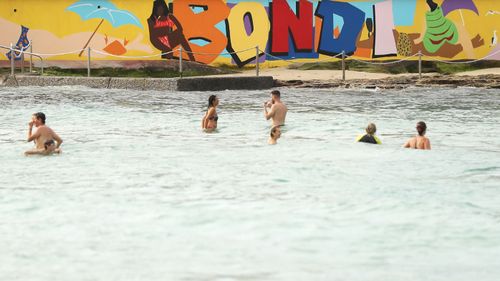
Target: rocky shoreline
<point x="490" y="81"/>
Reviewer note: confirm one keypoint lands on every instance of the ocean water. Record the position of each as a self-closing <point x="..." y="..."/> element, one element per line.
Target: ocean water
<point x="141" y="193"/>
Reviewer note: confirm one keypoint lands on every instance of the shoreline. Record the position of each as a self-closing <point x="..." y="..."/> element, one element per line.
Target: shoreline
<point x="488" y="81"/>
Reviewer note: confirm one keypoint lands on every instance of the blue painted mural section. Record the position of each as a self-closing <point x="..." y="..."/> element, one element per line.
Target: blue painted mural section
<point x="354" y="19"/>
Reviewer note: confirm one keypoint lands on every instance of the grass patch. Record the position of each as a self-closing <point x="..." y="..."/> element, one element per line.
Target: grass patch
<point x="134" y="73"/>
<point x="232" y="68"/>
<point x="120" y="72"/>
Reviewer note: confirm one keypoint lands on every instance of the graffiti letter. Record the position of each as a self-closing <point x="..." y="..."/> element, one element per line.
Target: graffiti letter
<point x="354" y="19"/>
<point x="385" y="45"/>
<point x="300" y="26"/>
<point x="202" y="26"/>
<point x="241" y="39"/>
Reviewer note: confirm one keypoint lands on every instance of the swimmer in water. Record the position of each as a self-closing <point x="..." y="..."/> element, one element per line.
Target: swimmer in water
<point x="419" y="141"/>
<point x="49" y="148"/>
<point x="274" y="135"/>
<point x="278" y="109"/>
<point x="209" y="122"/>
<point x="370" y="136"/>
<point x="42" y="135"/>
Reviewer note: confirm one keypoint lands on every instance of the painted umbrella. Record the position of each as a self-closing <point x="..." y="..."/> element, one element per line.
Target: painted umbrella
<point x="452" y="5"/>
<point x="104" y="10"/>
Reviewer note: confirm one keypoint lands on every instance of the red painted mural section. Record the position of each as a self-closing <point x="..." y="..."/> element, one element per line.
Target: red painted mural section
<point x="285" y="22"/>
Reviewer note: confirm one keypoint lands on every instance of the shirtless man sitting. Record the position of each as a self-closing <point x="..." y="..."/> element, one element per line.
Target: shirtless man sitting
<point x="278" y="109"/>
<point x="50" y="148"/>
<point x="44" y="137"/>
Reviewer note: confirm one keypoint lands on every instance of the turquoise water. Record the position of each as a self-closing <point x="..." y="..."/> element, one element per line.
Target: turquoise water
<point x="140" y="193"/>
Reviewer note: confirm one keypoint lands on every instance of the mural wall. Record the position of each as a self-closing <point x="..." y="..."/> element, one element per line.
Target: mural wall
<point x="218" y="31"/>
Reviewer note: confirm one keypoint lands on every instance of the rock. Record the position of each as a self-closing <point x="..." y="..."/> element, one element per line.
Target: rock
<point x="447" y="81"/>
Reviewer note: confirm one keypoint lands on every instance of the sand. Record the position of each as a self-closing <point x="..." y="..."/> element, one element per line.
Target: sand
<point x="283" y="73"/>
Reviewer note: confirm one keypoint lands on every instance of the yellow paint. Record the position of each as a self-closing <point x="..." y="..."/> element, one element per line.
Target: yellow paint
<point x="53" y="16"/>
<point x="53" y="29"/>
<point x="239" y="39"/>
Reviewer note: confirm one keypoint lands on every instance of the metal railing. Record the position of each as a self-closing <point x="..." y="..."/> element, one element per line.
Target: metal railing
<point x="16" y="53"/>
<point x="343" y="57"/>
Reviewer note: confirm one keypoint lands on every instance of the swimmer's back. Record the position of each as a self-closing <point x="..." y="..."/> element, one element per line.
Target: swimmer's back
<point x="280" y="111"/>
<point x="369" y="139"/>
<point x="419" y="142"/>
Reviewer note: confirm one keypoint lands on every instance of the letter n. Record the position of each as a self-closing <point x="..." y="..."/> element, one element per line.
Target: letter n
<point x="285" y="22"/>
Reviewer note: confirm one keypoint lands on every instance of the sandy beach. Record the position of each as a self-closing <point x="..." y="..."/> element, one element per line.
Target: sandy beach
<point x="286" y="74"/>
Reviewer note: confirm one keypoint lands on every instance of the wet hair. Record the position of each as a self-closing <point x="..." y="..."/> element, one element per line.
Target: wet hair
<point x="41" y="116"/>
<point x="421" y="128"/>
<point x="432" y="5"/>
<point x="156" y="5"/>
<point x="273" y="131"/>
<point x="276" y="93"/>
<point x="211" y="100"/>
<point x="48" y="143"/>
<point x="371" y="129"/>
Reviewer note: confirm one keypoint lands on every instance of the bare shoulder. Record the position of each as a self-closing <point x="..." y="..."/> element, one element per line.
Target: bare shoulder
<point x="410" y="142"/>
<point x="280" y="106"/>
<point x="51" y="132"/>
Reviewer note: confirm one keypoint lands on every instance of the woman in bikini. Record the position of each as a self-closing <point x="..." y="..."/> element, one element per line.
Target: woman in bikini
<point x="209" y="122"/>
<point x="419" y="141"/>
<point x="161" y="31"/>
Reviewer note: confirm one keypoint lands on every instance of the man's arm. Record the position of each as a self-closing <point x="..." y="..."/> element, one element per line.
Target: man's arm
<point x="33" y="152"/>
<point x="31" y="136"/>
<point x="407" y="144"/>
<point x="269" y="114"/>
<point x="427" y="144"/>
<point x="210" y="114"/>
<point x="58" y="140"/>
<point x="203" y="121"/>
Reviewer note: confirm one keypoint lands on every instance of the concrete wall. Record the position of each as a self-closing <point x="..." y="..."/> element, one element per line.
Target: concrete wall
<point x="157" y="84"/>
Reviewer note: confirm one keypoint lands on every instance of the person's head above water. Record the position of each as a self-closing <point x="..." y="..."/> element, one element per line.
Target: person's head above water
<point x="40" y="118"/>
<point x="213" y="101"/>
<point x="421" y="128"/>
<point x="371" y="129"/>
<point x="275" y="132"/>
<point x="276" y="94"/>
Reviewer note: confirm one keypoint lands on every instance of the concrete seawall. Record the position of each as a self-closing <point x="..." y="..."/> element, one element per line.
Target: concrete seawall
<point x="162" y="84"/>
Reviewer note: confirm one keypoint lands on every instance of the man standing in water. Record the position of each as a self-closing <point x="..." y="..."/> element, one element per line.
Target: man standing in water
<point x="43" y="135"/>
<point x="278" y="109"/>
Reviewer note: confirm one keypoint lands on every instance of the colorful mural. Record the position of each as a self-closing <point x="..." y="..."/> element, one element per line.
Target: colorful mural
<point x="218" y="31"/>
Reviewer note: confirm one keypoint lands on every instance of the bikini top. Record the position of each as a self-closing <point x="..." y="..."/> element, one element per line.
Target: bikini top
<point x="214" y="118"/>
